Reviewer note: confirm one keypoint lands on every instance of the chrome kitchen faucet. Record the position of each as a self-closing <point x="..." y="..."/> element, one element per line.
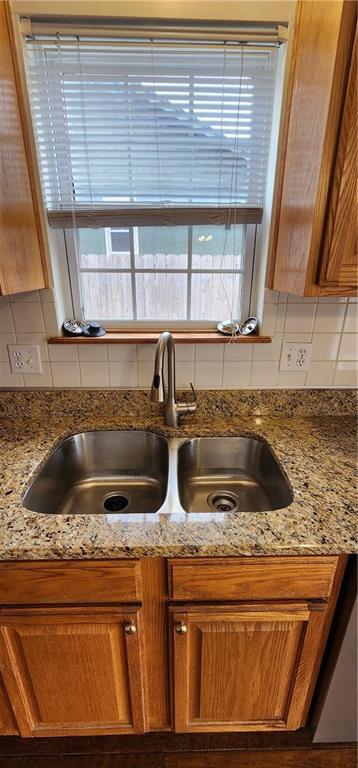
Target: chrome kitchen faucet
<point x="158" y="393"/>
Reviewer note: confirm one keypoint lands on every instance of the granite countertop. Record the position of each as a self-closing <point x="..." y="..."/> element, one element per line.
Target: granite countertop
<point x="312" y="434"/>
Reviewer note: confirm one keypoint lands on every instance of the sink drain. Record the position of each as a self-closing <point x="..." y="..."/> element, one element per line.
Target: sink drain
<point x="116" y="502"/>
<point x="223" y="501"/>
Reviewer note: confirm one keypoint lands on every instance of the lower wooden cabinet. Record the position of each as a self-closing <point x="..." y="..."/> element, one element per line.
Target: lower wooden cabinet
<point x="243" y="668"/>
<point x="75" y="671"/>
<point x="220" y="645"/>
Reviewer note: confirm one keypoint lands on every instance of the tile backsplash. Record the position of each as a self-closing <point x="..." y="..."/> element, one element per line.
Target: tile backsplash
<point x="329" y="325"/>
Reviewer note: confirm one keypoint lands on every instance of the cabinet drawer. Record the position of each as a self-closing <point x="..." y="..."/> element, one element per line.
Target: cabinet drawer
<point x="246" y="578"/>
<point x="65" y="582"/>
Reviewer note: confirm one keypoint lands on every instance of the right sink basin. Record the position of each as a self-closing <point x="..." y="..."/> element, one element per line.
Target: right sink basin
<point x="227" y="474"/>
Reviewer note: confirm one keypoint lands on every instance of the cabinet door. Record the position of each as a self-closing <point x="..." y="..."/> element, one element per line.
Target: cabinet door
<point x="318" y="66"/>
<point x="7" y="720"/>
<point x="74" y="671"/>
<point x="340" y="263"/>
<point x="22" y="246"/>
<point x="8" y="725"/>
<point x="244" y="668"/>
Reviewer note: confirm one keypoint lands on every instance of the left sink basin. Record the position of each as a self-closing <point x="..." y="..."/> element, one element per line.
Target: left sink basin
<point x="102" y="472"/>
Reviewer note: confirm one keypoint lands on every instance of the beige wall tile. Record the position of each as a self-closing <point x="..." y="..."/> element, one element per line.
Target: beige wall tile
<point x="5" y="339"/>
<point x="185" y="373"/>
<point x="264" y="375"/>
<point x="125" y="374"/>
<point x="351" y="319"/>
<point x="28" y="317"/>
<point x="208" y="374"/>
<point x="145" y="373"/>
<point x="300" y="317"/>
<point x="268" y="352"/>
<point x="269" y="320"/>
<point x="122" y="353"/>
<point x="63" y="353"/>
<point x="6" y="321"/>
<point x="329" y="318"/>
<point x="209" y="352"/>
<point x="50" y="319"/>
<point x="234" y="351"/>
<point x="346" y="375"/>
<point x="9" y="379"/>
<point x="92" y="353"/>
<point x="348" y="349"/>
<point x="320" y="374"/>
<point x="66" y="374"/>
<point x="94" y="374"/>
<point x="28" y="296"/>
<point x="237" y="374"/>
<point x="291" y="379"/>
<point x="185" y="352"/>
<point x="325" y="346"/>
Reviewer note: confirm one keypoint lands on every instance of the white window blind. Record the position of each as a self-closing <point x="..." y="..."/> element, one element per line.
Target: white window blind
<point x="122" y="124"/>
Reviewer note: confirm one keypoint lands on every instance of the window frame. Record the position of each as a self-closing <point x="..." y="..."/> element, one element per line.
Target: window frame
<point x="249" y="278"/>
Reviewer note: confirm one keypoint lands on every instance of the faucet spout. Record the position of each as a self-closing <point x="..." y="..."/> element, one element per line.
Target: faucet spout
<point x="158" y="392"/>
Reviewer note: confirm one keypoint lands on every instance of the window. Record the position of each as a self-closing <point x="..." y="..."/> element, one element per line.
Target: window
<point x="178" y="273"/>
<point x="153" y="156"/>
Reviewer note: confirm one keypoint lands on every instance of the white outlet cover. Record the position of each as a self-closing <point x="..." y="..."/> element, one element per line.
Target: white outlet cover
<point x="295" y="356"/>
<point x="24" y="359"/>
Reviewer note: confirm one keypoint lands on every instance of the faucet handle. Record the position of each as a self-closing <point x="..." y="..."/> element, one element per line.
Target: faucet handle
<point x="188" y="406"/>
<point x="193" y="391"/>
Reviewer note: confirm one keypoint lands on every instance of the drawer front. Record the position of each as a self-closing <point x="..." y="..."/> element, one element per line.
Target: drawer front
<point x="39" y="583"/>
<point x="245" y="578"/>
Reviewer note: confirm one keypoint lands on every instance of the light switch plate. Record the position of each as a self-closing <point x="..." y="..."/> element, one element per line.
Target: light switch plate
<point x="24" y="359"/>
<point x="295" y="356"/>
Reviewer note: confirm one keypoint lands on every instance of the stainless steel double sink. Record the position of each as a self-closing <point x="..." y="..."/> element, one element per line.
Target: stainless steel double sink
<point x="123" y="472"/>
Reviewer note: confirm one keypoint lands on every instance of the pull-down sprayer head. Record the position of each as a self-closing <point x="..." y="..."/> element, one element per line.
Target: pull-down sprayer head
<point x="157" y="392"/>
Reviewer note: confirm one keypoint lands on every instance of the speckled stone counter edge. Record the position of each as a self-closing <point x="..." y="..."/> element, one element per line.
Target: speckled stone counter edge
<point x="39" y="404"/>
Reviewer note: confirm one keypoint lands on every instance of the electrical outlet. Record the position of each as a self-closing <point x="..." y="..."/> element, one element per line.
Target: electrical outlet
<point x="24" y="359"/>
<point x="295" y="356"/>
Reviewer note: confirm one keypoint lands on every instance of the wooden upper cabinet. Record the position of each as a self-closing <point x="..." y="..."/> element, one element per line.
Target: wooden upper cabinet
<point x="22" y="246"/>
<point x="340" y="261"/>
<point x="244" y="668"/>
<point x="312" y="248"/>
<point x="75" y="671"/>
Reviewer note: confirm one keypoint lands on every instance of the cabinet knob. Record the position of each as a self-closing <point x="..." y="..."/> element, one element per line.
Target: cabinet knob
<point x="181" y="629"/>
<point x="130" y="629"/>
